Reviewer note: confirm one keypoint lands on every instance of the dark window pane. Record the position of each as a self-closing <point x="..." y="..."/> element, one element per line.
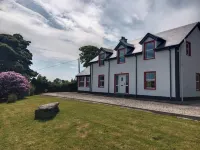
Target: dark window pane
<point x="197" y="85"/>
<point x="149" y="45"/>
<point x="116" y="89"/>
<point x="127" y="89"/>
<point x="121" y="56"/>
<point x="197" y="77"/>
<point x="116" y="79"/>
<point x="127" y="79"/>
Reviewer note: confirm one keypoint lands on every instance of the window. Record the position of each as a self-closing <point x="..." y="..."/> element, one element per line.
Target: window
<point x="101" y="81"/>
<point x="81" y="81"/>
<point x="121" y="56"/>
<point x="198" y="81"/>
<point x="101" y="59"/>
<point x="150" y="80"/>
<point x="149" y="52"/>
<point x="188" y="48"/>
<point x="87" y="81"/>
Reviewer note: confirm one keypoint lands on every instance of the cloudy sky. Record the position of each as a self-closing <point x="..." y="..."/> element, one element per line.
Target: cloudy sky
<point x="57" y="28"/>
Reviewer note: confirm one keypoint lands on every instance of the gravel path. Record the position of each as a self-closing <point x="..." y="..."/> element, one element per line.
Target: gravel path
<point x="174" y="109"/>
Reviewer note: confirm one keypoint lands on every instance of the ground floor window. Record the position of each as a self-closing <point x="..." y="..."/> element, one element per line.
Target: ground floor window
<point x="81" y="81"/>
<point x="198" y="81"/>
<point x="122" y="83"/>
<point x="150" y="80"/>
<point x="101" y="81"/>
<point x="87" y="81"/>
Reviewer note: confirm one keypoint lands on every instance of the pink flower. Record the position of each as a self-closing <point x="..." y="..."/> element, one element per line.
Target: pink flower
<point x="12" y="82"/>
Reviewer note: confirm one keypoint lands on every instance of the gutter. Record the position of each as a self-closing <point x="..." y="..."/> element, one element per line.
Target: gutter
<point x="170" y="73"/>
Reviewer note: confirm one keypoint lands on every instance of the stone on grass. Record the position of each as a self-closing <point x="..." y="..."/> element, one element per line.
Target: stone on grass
<point x="47" y="111"/>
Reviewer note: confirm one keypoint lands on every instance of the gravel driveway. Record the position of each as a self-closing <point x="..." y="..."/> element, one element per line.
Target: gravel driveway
<point x="188" y="111"/>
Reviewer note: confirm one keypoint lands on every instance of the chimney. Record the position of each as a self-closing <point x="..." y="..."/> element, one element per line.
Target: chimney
<point x="124" y="39"/>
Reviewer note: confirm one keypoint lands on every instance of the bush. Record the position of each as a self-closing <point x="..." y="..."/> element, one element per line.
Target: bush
<point x="12" y="98"/>
<point x="13" y="83"/>
<point x="32" y="90"/>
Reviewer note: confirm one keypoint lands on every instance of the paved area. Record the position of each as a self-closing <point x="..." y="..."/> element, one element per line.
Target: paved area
<point x="181" y="109"/>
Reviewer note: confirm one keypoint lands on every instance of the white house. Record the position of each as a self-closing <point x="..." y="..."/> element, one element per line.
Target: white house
<point x="163" y="66"/>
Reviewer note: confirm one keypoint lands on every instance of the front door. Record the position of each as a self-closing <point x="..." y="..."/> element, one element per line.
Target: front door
<point x="121" y="83"/>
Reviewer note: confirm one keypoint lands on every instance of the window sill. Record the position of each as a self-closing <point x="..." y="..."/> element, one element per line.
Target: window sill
<point x="150" y="88"/>
<point x="121" y="63"/>
<point x="149" y="58"/>
<point x="100" y="87"/>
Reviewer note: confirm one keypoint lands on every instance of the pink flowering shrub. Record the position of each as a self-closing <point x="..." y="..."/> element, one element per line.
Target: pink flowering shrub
<point x="13" y="83"/>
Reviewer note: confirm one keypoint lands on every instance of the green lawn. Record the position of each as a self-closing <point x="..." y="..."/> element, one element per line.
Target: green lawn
<point x="84" y="126"/>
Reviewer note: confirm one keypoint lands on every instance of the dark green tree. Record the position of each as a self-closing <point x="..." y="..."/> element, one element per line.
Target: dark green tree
<point x="15" y="56"/>
<point x="87" y="54"/>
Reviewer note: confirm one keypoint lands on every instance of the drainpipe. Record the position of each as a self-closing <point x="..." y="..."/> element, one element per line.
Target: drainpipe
<point x="135" y="76"/>
<point x="181" y="70"/>
<point x="108" y="76"/>
<point x="91" y="79"/>
<point x="170" y="73"/>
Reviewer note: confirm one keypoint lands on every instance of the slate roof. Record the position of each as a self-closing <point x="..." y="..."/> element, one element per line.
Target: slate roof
<point x="85" y="72"/>
<point x="173" y="37"/>
<point x="106" y="50"/>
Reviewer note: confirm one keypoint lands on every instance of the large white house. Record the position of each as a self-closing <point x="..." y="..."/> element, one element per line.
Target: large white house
<point x="165" y="65"/>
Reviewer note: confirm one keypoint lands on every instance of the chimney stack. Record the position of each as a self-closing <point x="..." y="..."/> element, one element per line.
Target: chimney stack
<point x="124" y="39"/>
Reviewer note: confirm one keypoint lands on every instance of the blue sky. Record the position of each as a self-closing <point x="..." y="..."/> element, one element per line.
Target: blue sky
<point x="57" y="28"/>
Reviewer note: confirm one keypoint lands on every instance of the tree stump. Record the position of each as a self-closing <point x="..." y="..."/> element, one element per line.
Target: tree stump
<point x="47" y="111"/>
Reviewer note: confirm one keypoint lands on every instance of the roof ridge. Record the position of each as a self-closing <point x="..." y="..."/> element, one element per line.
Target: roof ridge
<point x="177" y="27"/>
<point x="165" y="31"/>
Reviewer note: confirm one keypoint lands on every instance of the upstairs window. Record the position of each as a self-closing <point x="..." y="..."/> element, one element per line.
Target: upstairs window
<point x="81" y="81"/>
<point x="101" y="59"/>
<point x="121" y="56"/>
<point x="87" y="81"/>
<point x="150" y="80"/>
<point x="149" y="52"/>
<point x="198" y="81"/>
<point x="101" y="81"/>
<point x="188" y="48"/>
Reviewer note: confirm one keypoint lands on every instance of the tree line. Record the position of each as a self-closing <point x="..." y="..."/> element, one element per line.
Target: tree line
<point x="15" y="56"/>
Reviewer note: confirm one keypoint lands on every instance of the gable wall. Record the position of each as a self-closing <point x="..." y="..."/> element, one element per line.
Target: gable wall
<point x="189" y="65"/>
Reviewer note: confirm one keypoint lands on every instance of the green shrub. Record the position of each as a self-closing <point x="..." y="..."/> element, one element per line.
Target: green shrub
<point x="32" y="90"/>
<point x="12" y="98"/>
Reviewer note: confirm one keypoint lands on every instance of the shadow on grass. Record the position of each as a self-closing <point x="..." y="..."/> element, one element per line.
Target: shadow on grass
<point x="46" y="117"/>
<point x="4" y="100"/>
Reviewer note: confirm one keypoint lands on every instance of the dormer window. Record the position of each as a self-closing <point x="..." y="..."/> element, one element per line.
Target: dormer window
<point x="121" y="56"/>
<point x="149" y="52"/>
<point x="101" y="59"/>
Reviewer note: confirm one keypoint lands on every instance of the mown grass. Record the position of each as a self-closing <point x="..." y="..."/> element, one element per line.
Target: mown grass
<point x="84" y="126"/>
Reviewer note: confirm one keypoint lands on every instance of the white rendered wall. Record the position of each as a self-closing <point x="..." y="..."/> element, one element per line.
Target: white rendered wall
<point x="96" y="71"/>
<point x="190" y="65"/>
<point x="161" y="65"/>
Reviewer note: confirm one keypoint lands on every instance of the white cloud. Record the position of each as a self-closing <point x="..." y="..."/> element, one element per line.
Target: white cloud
<point x="57" y="28"/>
